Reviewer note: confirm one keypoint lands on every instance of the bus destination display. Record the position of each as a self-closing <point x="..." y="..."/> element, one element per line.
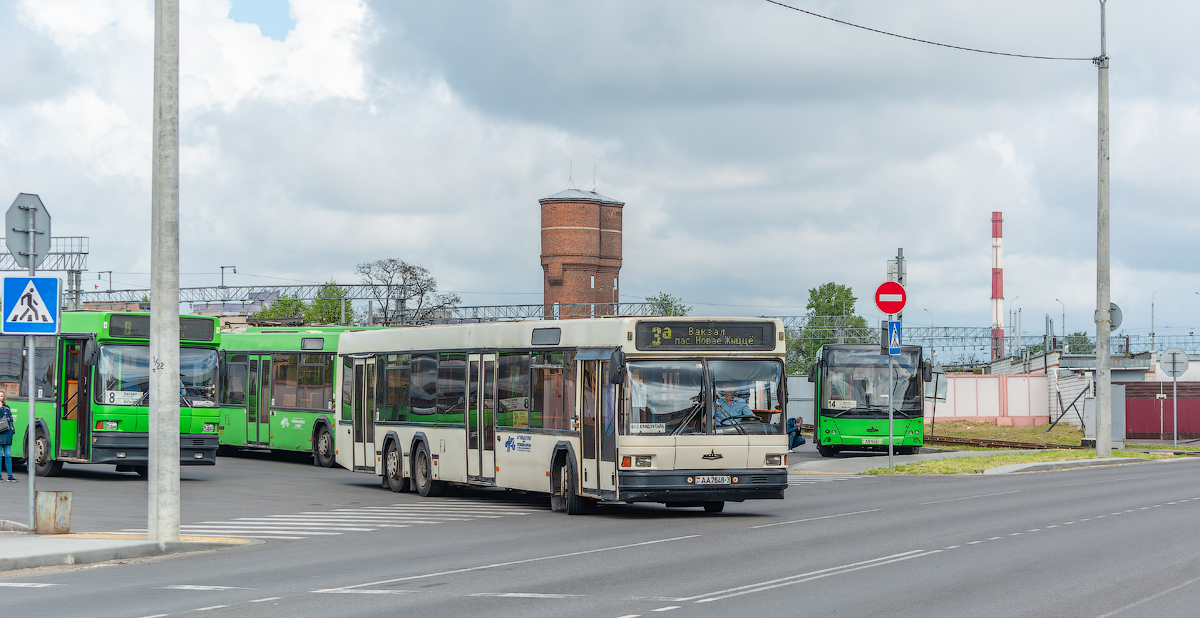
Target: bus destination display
<point x="138" y="327"/>
<point x="705" y="336"/>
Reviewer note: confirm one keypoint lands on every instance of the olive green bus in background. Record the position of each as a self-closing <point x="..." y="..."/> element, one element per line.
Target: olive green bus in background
<point x="92" y="386"/>
<point x="852" y="399"/>
<point x="277" y="389"/>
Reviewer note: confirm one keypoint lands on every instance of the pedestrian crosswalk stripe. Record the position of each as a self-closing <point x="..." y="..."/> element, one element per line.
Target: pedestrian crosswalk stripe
<point x="359" y="519"/>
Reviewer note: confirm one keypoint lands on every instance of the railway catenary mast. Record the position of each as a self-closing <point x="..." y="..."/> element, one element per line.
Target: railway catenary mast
<point x="997" y="286"/>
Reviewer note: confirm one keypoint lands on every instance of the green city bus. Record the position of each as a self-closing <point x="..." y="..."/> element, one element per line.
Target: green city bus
<point x="92" y="385"/>
<point x="852" y="399"/>
<point x="278" y="390"/>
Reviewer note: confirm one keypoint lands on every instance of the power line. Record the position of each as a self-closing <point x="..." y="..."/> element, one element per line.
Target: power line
<point x="909" y="38"/>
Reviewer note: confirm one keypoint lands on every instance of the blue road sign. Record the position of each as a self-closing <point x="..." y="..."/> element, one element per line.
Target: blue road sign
<point x="893" y="337"/>
<point x="31" y="306"/>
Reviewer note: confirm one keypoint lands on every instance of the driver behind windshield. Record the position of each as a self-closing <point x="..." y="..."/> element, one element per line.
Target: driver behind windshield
<point x="729" y="408"/>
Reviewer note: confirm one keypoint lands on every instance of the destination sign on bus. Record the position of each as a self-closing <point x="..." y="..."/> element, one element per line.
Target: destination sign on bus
<point x="705" y="336"/>
<point x="138" y="327"/>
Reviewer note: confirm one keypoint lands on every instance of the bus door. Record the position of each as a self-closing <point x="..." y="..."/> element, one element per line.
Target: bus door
<point x="481" y="418"/>
<point x="258" y="400"/>
<point x="75" y="413"/>
<point x="607" y="432"/>
<point x="363" y="416"/>
<point x="589" y="386"/>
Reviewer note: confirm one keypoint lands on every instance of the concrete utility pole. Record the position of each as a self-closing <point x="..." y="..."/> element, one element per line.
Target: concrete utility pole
<point x="1103" y="316"/>
<point x="162" y="518"/>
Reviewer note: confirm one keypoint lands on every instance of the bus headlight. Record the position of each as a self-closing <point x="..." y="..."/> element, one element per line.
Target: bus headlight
<point x="106" y="425"/>
<point x="641" y="461"/>
<point x="774" y="460"/>
<point x="210" y="427"/>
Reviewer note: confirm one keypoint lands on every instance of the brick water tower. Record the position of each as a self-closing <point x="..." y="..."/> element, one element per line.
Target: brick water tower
<point x="581" y="254"/>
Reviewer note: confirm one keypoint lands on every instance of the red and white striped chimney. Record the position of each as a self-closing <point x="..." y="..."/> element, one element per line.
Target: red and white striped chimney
<point x="997" y="285"/>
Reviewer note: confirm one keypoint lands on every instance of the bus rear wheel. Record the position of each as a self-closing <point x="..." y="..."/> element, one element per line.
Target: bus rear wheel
<point x="827" y="451"/>
<point x="392" y="470"/>
<point x="909" y="450"/>
<point x="423" y="473"/>
<point x="323" y="454"/>
<point x="714" y="507"/>
<point x="42" y="463"/>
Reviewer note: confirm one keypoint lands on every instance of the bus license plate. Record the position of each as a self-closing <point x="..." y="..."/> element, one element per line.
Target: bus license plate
<point x="712" y="480"/>
<point x="873" y="441"/>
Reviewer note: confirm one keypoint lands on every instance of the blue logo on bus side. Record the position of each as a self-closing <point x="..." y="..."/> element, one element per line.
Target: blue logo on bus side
<point x="510" y="444"/>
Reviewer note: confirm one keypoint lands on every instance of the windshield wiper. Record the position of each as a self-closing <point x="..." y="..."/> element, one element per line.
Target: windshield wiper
<point x="696" y="408"/>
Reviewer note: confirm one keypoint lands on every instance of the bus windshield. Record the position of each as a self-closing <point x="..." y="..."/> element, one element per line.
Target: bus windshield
<point x="855" y="385"/>
<point x="124" y="375"/>
<point x="667" y="397"/>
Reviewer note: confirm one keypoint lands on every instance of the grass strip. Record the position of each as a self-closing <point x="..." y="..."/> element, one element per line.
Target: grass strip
<point x="1164" y="447"/>
<point x="1063" y="433"/>
<point x="976" y="465"/>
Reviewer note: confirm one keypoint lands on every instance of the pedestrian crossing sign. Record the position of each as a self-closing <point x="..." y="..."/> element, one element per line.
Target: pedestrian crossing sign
<point x="31" y="306"/>
<point x="893" y="337"/>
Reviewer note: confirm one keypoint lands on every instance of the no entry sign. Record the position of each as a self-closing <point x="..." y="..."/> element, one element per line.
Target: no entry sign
<point x="890" y="297"/>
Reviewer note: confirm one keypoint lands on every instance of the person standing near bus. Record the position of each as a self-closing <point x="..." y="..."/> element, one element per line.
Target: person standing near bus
<point x="6" y="437"/>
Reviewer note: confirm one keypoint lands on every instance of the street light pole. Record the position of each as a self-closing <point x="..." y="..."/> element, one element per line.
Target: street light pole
<point x="223" y="274"/>
<point x="98" y="277"/>
<point x="162" y="516"/>
<point x="1103" y="316"/>
<point x="1064" y="322"/>
<point x="1152" y="318"/>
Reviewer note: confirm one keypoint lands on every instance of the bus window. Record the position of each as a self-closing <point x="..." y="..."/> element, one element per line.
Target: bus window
<point x="11" y="363"/>
<point x="394" y="406"/>
<point x="233" y="392"/>
<point x="745" y="395"/>
<point x="665" y="397"/>
<point x="347" y="387"/>
<point x="422" y="392"/>
<point x="452" y="388"/>
<point x="513" y="409"/>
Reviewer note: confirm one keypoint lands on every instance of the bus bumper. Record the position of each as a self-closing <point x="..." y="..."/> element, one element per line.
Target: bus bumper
<point x="131" y="449"/>
<point x="673" y="486"/>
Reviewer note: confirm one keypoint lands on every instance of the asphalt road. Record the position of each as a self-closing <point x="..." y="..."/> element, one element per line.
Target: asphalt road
<point x="1101" y="542"/>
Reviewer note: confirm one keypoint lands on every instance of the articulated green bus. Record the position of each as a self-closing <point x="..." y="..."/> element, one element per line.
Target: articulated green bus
<point x="852" y="399"/>
<point x="92" y="386"/>
<point x="278" y="389"/>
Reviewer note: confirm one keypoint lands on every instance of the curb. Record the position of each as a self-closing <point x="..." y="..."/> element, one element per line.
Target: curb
<point x="1062" y="465"/>
<point x="141" y="550"/>
<point x="12" y="526"/>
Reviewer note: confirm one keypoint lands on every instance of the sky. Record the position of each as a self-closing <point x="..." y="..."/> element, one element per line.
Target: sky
<point x="760" y="151"/>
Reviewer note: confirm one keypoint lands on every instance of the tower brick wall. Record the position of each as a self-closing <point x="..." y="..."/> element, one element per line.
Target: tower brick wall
<point x="581" y="253"/>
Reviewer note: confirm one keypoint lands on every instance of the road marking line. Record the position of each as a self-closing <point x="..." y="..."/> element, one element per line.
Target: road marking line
<point x="514" y="562"/>
<point x="974" y="542"/>
<point x="204" y="609"/>
<point x="781" y="523"/>
<point x="801" y="575"/>
<point x="901" y="557"/>
<point x="995" y="538"/>
<point x="206" y="588"/>
<point x="1014" y="534"/>
<point x="156" y="616"/>
<point x="630" y="616"/>
<point x="666" y="609"/>
<point x="245" y="531"/>
<point x="339" y="591"/>
<point x="26" y="585"/>
<point x="1001" y="493"/>
<point x="1127" y="478"/>
<point x="1035" y="530"/>
<point x="526" y="595"/>
<point x="1068" y="523"/>
<point x="952" y="547"/>
<point x="266" y="599"/>
<point x="1149" y="598"/>
<point x="1054" y="526"/>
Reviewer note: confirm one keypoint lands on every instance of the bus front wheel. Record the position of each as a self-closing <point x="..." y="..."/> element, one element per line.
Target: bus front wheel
<point x="573" y="503"/>
<point x="827" y="451"/>
<point x="392" y="470"/>
<point x="714" y="507"/>
<point x="42" y="463"/>
<point x="423" y="473"/>
<point x="323" y="454"/>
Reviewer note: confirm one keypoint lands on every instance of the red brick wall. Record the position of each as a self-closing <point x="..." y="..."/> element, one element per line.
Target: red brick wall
<point x="581" y="240"/>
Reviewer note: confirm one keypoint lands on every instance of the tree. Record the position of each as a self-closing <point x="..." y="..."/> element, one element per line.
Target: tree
<point x="286" y="306"/>
<point x="830" y="319"/>
<point x="1080" y="343"/>
<point x="326" y="308"/>
<point x="403" y="292"/>
<point x="665" y="304"/>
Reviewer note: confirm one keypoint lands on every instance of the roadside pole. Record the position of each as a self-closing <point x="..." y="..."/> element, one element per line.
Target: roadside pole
<point x="162" y="518"/>
<point x="1103" y="282"/>
<point x="31" y="367"/>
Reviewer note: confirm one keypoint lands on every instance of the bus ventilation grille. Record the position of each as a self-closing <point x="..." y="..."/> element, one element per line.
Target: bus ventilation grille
<point x="196" y="442"/>
<point x="759" y="480"/>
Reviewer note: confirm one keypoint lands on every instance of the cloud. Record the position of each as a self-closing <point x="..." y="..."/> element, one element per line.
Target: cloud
<point x="760" y="152"/>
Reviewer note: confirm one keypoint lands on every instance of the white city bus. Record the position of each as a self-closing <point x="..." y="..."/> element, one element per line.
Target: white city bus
<point x="681" y="411"/>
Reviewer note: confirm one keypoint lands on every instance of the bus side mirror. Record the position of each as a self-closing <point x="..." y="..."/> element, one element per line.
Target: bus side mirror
<point x="616" y="367"/>
<point x="812" y="372"/>
<point x="927" y="372"/>
<point x="89" y="352"/>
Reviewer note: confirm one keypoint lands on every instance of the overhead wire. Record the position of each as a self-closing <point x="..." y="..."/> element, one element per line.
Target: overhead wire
<point x="909" y="38"/>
